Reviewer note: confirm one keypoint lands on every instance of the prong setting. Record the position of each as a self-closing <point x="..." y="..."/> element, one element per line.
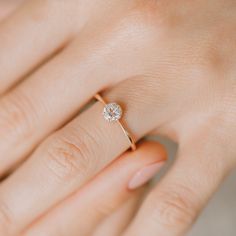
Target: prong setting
<point x="112" y="112"/>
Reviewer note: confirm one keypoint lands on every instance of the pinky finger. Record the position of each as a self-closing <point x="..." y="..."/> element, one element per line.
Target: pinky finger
<point x="116" y="223"/>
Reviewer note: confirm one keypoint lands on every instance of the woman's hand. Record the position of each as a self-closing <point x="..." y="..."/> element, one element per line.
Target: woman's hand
<point x="172" y="65"/>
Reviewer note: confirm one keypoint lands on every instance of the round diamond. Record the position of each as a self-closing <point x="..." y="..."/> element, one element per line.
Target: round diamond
<point x="112" y="112"/>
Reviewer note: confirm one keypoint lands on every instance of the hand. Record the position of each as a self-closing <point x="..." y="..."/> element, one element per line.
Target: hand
<point x="171" y="63"/>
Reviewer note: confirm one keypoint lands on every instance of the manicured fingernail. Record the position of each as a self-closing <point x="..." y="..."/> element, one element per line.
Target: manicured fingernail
<point x="144" y="175"/>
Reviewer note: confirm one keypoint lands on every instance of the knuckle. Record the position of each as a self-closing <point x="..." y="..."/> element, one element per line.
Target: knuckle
<point x="69" y="155"/>
<point x="144" y="24"/>
<point x="17" y="115"/>
<point x="220" y="152"/>
<point x="143" y="18"/>
<point x="147" y="9"/>
<point x="173" y="207"/>
<point x="144" y="15"/>
<point x="43" y="10"/>
<point x="158" y="14"/>
<point x="104" y="210"/>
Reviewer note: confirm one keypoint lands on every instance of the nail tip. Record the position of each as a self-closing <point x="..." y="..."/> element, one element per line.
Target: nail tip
<point x="144" y="175"/>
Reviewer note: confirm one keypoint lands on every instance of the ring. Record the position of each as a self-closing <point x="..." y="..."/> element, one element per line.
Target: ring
<point x="113" y="112"/>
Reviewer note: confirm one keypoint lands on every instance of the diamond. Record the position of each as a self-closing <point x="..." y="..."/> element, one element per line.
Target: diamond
<point x="112" y="112"/>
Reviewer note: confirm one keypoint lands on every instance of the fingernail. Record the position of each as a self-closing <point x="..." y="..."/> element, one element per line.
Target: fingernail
<point x="144" y="175"/>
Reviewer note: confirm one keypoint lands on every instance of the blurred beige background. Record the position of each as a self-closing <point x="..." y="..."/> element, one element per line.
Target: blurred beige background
<point x="219" y="218"/>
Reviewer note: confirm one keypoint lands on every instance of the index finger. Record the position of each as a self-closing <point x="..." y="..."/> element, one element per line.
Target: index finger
<point x="28" y="34"/>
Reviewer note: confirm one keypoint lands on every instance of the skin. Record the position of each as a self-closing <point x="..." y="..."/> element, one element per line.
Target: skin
<point x="173" y="62"/>
<point x="109" y="205"/>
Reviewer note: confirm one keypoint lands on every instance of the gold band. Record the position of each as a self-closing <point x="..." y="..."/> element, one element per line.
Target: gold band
<point x="127" y="134"/>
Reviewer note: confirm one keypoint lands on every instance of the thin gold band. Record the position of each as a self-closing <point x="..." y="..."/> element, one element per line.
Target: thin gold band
<point x="127" y="134"/>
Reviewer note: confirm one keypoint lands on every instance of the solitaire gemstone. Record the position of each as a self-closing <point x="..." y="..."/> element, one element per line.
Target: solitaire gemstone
<point x="112" y="112"/>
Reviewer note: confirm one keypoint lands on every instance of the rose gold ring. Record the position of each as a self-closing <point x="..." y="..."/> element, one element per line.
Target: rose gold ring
<point x="113" y="112"/>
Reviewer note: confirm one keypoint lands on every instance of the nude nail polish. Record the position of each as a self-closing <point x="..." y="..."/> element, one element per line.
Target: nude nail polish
<point x="144" y="175"/>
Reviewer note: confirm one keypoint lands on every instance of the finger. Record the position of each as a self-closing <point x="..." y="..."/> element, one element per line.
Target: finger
<point x="35" y="31"/>
<point x="53" y="94"/>
<point x="116" y="223"/>
<point x="174" y="204"/>
<point x="99" y="198"/>
<point x="74" y="154"/>
<point x="7" y="7"/>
